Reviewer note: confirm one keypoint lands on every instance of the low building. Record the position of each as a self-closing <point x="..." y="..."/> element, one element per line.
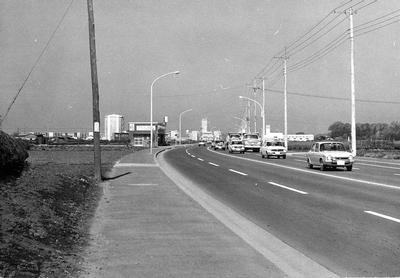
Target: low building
<point x="139" y="133"/>
<point x="300" y="137"/>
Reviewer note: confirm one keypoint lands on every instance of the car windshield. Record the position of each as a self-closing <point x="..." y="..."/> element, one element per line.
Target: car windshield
<point x="236" y="143"/>
<point x="332" y="147"/>
<point x="251" y="136"/>
<point x="279" y="144"/>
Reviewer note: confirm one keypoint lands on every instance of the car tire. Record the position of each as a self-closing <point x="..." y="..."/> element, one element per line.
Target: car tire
<point x="309" y="165"/>
<point x="284" y="156"/>
<point x="349" y="168"/>
<point x="323" y="167"/>
<point x="267" y="156"/>
<point x="262" y="156"/>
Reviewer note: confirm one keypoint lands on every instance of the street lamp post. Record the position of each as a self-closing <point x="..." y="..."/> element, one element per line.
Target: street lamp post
<point x="151" y="107"/>
<point x="180" y="124"/>
<point x="244" y="121"/>
<point x="262" y="112"/>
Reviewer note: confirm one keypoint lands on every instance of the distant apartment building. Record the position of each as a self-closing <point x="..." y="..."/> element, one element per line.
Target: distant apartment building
<point x="204" y="123"/>
<point x="112" y="124"/>
<point x="194" y="135"/>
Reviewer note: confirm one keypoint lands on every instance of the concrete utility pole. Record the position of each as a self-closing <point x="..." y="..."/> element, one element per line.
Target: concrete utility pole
<point x="285" y="95"/>
<point x="285" y="58"/>
<point x="353" y="98"/>
<point x="95" y="94"/>
<point x="255" y="106"/>
<point x="263" y="112"/>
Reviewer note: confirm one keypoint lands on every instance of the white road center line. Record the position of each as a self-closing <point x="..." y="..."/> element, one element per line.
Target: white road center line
<point x="237" y="172"/>
<point x="397" y="174"/>
<point x="213" y="164"/>
<point x="288" y="188"/>
<point x="200" y="159"/>
<point x="383" y="216"/>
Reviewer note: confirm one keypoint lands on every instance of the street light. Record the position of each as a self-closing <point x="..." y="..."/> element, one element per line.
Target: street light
<point x="151" y="107"/>
<point x="244" y="121"/>
<point x="262" y="112"/>
<point x="180" y="124"/>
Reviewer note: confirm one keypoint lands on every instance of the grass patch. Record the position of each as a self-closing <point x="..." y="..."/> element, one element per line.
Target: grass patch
<point x="46" y="213"/>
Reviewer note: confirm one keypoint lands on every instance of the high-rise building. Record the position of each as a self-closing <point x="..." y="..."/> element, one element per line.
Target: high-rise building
<point x="204" y="123"/>
<point x="112" y="124"/>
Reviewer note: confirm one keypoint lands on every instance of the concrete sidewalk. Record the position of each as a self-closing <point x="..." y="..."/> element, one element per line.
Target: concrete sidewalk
<point x="146" y="226"/>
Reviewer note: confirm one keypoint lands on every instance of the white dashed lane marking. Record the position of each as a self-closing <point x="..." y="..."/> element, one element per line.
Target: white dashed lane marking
<point x="237" y="172"/>
<point x="288" y="188"/>
<point x="383" y="216"/>
<point x="213" y="164"/>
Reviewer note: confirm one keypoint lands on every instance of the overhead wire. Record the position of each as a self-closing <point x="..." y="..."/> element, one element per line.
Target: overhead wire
<point x="36" y="62"/>
<point x="333" y="98"/>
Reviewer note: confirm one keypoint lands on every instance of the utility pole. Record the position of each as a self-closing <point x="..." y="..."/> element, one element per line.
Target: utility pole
<point x="285" y="95"/>
<point x="95" y="94"/>
<point x="263" y="112"/>
<point x="353" y="98"/>
<point x="285" y="58"/>
<point x="255" y="105"/>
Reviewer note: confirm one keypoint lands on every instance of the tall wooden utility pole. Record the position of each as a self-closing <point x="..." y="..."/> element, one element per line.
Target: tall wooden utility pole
<point x="95" y="94"/>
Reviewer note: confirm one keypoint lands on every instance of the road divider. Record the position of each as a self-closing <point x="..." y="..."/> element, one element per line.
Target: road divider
<point x="288" y="188"/>
<point x="237" y="172"/>
<point x="383" y="216"/>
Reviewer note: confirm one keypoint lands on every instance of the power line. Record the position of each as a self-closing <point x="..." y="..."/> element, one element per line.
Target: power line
<point x="366" y="32"/>
<point x="332" y="45"/>
<point x="316" y="39"/>
<point x="334" y="98"/>
<point x="36" y="62"/>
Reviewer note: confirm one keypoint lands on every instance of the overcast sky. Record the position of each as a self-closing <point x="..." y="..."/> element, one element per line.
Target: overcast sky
<point x="218" y="46"/>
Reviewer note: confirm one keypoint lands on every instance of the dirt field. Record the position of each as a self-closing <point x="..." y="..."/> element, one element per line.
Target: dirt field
<point x="46" y="212"/>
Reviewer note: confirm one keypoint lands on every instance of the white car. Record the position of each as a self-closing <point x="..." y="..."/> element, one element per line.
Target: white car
<point x="329" y="154"/>
<point x="273" y="148"/>
<point x="236" y="146"/>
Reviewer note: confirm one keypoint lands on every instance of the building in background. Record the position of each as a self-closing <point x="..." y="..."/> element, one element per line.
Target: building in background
<point x="194" y="135"/>
<point x="112" y="124"/>
<point x="204" y="123"/>
<point x="139" y="133"/>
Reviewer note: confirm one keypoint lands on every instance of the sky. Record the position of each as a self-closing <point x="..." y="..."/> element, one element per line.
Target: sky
<point x="219" y="47"/>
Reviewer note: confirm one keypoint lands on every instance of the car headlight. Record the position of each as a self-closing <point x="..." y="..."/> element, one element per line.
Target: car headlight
<point x="328" y="158"/>
<point x="351" y="158"/>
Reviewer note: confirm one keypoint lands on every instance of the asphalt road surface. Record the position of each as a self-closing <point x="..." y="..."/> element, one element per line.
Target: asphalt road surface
<point x="348" y="222"/>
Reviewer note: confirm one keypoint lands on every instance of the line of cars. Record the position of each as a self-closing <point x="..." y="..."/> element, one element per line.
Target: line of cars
<point x="324" y="154"/>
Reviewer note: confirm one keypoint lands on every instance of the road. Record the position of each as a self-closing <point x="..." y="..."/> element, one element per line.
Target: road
<point x="349" y="222"/>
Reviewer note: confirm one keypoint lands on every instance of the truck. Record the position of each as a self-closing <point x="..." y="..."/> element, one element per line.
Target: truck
<point x="251" y="141"/>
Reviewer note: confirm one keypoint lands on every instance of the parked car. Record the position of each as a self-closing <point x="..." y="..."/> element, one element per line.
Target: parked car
<point x="273" y="148"/>
<point x="236" y="146"/>
<point x="218" y="145"/>
<point x="329" y="154"/>
<point x="252" y="142"/>
<point x="202" y="144"/>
